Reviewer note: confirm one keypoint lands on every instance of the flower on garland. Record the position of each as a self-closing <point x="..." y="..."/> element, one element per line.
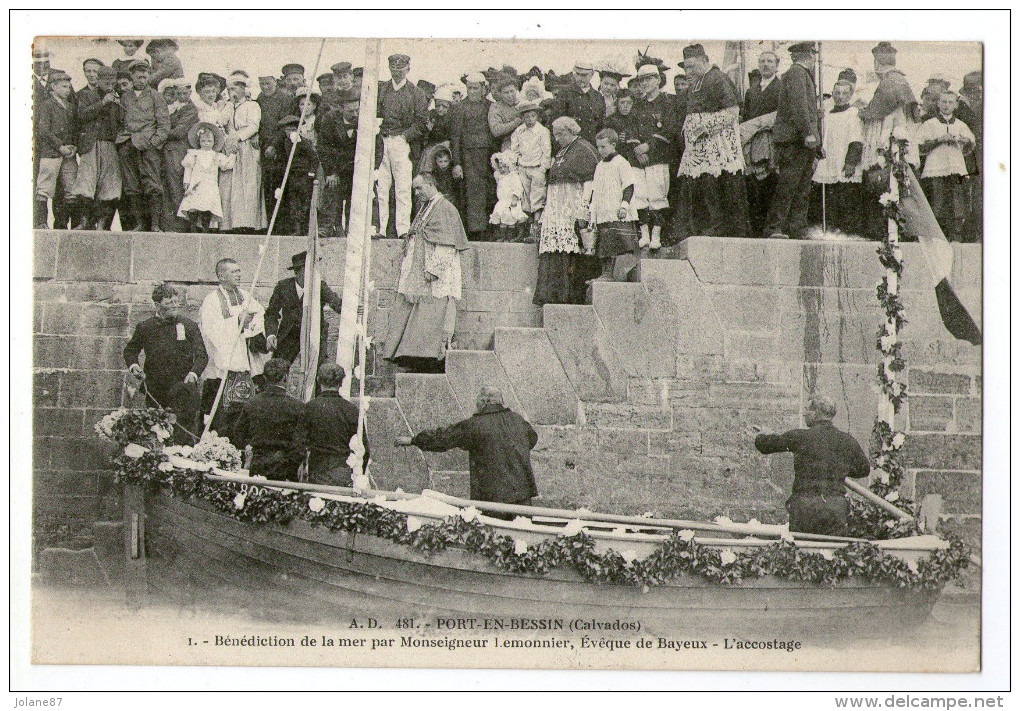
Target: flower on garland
<point x="413" y="524"/>
<point x="686" y="535"/>
<point x="134" y="450"/>
<point x="573" y="527"/>
<point x="520" y="546"/>
<point x="727" y="557"/>
<point x="165" y="466"/>
<point x="316" y="504"/>
<point x="239" y="500"/>
<point x="217" y="451"/>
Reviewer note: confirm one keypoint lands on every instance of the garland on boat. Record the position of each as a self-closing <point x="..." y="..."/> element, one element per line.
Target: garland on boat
<point x="145" y="460"/>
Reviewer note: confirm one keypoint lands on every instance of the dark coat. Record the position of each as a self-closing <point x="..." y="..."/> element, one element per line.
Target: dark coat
<point x="472" y="144"/>
<point x="499" y="444"/>
<point x="54" y="127"/>
<point x="659" y="124"/>
<point x="272" y="423"/>
<point x="588" y="108"/>
<point x="797" y="113"/>
<point x="96" y="121"/>
<point x="273" y="109"/>
<point x="168" y="359"/>
<point x="823" y="457"/>
<point x="336" y="148"/>
<point x="758" y="103"/>
<point x="330" y="422"/>
<point x="283" y="315"/>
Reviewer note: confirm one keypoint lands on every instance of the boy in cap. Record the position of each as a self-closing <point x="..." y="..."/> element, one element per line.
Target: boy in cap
<point x="144" y="126"/>
<point x="531" y="142"/>
<point x="404" y="113"/>
<point x="797" y="139"/>
<point x="165" y="63"/>
<point x="55" y="137"/>
<point x="293" y="77"/>
<point x="580" y="102"/>
<point x="98" y="183"/>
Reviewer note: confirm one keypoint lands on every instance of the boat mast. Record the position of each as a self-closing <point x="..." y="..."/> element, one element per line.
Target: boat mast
<point x="356" y="261"/>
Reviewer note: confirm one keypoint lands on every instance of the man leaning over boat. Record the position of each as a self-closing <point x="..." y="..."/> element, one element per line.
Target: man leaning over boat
<point x="499" y="444"/>
<point x="823" y="458"/>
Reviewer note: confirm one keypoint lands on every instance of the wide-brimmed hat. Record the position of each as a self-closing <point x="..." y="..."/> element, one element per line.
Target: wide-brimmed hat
<point x="216" y="131"/>
<point x="298" y="261"/>
<point x="161" y="43"/>
<point x="444" y="93"/>
<point x="525" y="106"/>
<point x="583" y="65"/>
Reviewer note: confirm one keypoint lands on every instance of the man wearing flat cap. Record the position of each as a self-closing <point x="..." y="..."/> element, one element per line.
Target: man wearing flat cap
<point x="892" y="105"/>
<point x="275" y="103"/>
<point x="712" y="166"/>
<point x="293" y="77"/>
<point x="144" y="126"/>
<point x="283" y="315"/>
<point x="822" y="458"/>
<point x="343" y="76"/>
<point x="97" y="185"/>
<point x="165" y="62"/>
<point x="580" y="102"/>
<point x="404" y="113"/>
<point x="499" y="444"/>
<point x="797" y="138"/>
<point x="55" y="134"/>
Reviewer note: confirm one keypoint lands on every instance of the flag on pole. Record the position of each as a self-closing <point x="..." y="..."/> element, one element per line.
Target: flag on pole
<point x="919" y="221"/>
<point x="311" y="309"/>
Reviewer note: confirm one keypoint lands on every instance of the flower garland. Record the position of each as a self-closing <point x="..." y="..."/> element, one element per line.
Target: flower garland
<point x="886" y="449"/>
<point x="678" y="555"/>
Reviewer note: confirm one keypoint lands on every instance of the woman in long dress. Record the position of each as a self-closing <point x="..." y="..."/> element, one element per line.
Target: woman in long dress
<point x="562" y="267"/>
<point x="424" y="314"/>
<point x="244" y="206"/>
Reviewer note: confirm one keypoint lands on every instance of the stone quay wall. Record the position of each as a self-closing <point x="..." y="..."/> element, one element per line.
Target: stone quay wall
<point x="644" y="399"/>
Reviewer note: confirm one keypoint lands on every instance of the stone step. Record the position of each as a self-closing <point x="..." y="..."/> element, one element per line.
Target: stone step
<point x="536" y="374"/>
<point x="469" y="371"/>
<point x="585" y="352"/>
<point x="427" y="401"/>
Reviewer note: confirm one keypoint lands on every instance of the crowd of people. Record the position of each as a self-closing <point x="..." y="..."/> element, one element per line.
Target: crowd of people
<point x="596" y="175"/>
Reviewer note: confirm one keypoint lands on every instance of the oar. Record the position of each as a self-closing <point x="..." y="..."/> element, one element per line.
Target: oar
<point x="877" y="500"/>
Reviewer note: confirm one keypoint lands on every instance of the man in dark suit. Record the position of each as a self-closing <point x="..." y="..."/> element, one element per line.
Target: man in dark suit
<point x="338" y="140"/>
<point x="283" y="315"/>
<point x="271" y="423"/>
<point x="822" y="458"/>
<point x="330" y="423"/>
<point x="175" y="357"/>
<point x="761" y="98"/>
<point x="797" y="142"/>
<point x="581" y="103"/>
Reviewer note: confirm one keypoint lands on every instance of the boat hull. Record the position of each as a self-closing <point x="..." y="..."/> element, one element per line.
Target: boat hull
<point x="191" y="549"/>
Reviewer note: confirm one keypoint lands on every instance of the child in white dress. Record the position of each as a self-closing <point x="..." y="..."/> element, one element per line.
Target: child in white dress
<point x="202" y="166"/>
<point x="509" y="210"/>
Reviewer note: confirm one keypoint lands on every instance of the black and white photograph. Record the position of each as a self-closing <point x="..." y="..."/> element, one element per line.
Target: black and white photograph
<point x="508" y="352"/>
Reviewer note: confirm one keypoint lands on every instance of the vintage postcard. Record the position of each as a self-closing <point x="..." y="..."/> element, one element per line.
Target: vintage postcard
<point x="533" y="353"/>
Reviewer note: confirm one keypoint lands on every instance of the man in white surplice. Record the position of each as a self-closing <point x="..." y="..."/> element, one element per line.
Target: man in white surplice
<point x="228" y="318"/>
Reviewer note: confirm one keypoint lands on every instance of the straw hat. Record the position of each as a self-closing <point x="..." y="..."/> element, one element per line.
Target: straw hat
<point x="217" y="133"/>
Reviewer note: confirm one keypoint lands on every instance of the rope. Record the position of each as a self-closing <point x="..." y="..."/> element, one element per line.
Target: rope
<point x="178" y="425"/>
<point x="263" y="248"/>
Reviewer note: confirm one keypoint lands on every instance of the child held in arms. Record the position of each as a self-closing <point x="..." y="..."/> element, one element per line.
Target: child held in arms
<point x="202" y="166"/>
<point x="612" y="211"/>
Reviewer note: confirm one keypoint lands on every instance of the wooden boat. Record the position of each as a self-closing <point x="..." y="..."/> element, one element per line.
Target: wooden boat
<point x="188" y="545"/>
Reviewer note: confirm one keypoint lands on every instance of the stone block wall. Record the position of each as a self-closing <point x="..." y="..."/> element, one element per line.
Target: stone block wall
<point x="644" y="400"/>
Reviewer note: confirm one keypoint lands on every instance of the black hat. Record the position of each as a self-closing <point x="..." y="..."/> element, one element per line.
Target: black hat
<point x="328" y="76"/>
<point x="883" y="49"/>
<point x="210" y="78"/>
<point x="803" y="48"/>
<point x="694" y="50"/>
<point x="427" y="86"/>
<point x="292" y="69"/>
<point x="298" y="261"/>
<point x="160" y="43"/>
<point x="849" y="75"/>
<point x="341" y="68"/>
<point x="399" y="61"/>
<point x="288" y="121"/>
